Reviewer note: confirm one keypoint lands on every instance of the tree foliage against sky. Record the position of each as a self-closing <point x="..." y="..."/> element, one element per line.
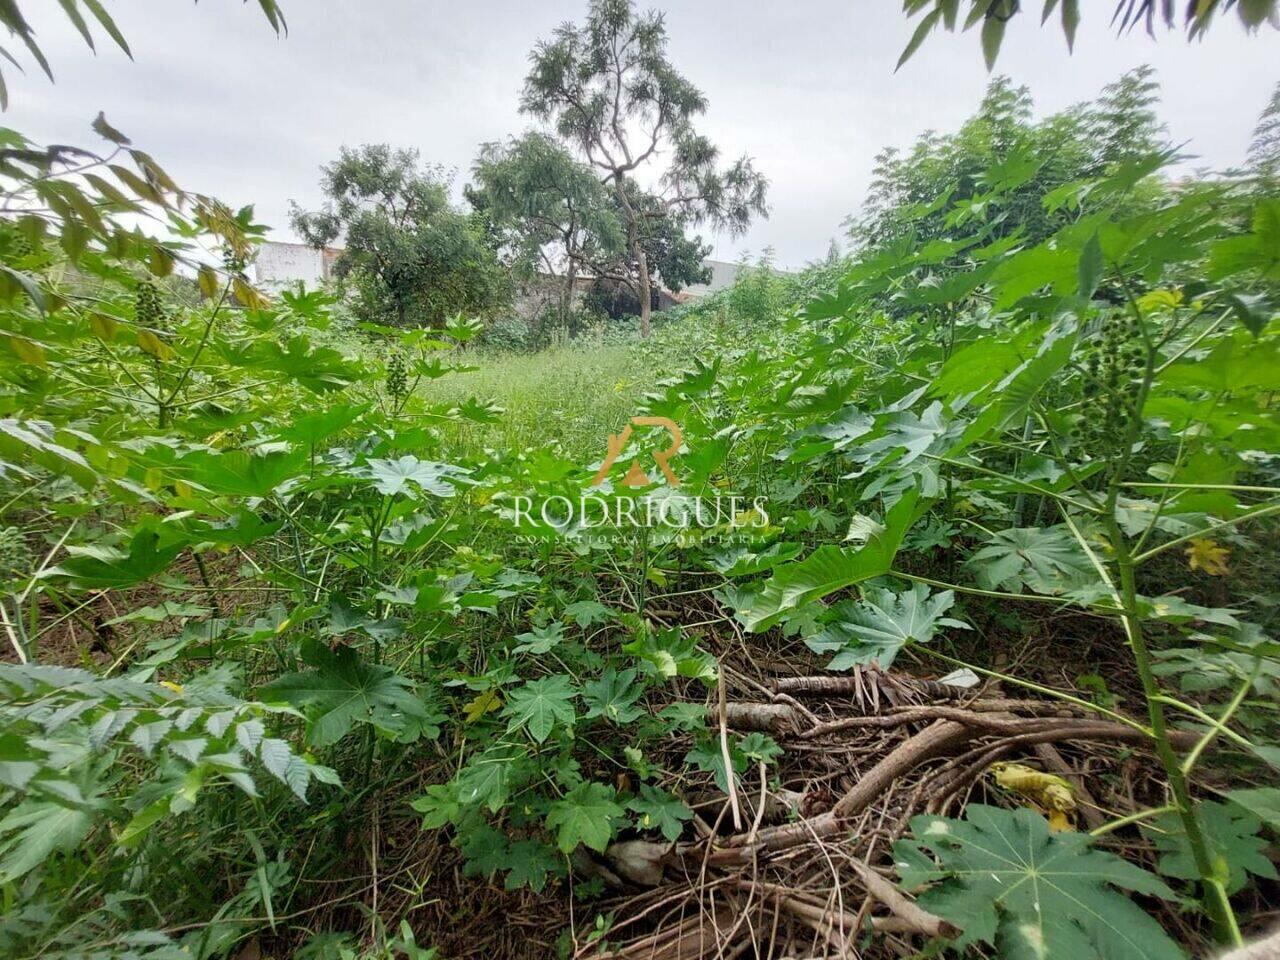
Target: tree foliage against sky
<point x="410" y="257"/>
<point x="992" y="16"/>
<point x="610" y="92"/>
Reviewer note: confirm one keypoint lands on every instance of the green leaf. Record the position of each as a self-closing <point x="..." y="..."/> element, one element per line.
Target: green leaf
<point x="1090" y="267"/>
<point x="1042" y="559"/>
<point x="530" y="863"/>
<point x="439" y="806"/>
<point x="709" y="757"/>
<point x="540" y="640"/>
<point x="539" y="705"/>
<point x="672" y="653"/>
<point x="1002" y="877"/>
<point x="391" y="477"/>
<point x="829" y="568"/>
<point x="585" y="815"/>
<point x="342" y="690"/>
<point x="36" y="829"/>
<point x="1252" y="310"/>
<point x="992" y="35"/>
<point x="1234" y="844"/>
<point x="1262" y="802"/>
<point x="613" y="696"/>
<point x="922" y="31"/>
<point x="759" y="748"/>
<point x="659" y="810"/>
<point x="586" y="613"/>
<point x="105" y="569"/>
<point x="877" y="627"/>
<point x="487" y="779"/>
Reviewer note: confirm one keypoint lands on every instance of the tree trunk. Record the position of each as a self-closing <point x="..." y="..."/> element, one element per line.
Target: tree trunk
<point x="566" y="294"/>
<point x="645" y="292"/>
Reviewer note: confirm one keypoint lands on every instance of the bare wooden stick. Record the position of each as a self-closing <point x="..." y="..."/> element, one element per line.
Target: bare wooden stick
<point x="724" y="753"/>
<point x="900" y="905"/>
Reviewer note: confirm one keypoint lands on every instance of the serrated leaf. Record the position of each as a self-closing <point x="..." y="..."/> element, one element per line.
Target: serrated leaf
<point x="1231" y="832"/>
<point x="877" y="627"/>
<point x="829" y="568"/>
<point x="1002" y="877"/>
<point x="343" y="690"/>
<point x="613" y="696"/>
<point x="659" y="810"/>
<point x="585" y="815"/>
<point x="530" y="863"/>
<point x="1045" y="560"/>
<point x="539" y="705"/>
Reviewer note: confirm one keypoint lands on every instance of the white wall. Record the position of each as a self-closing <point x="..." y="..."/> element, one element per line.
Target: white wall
<point x="284" y="264"/>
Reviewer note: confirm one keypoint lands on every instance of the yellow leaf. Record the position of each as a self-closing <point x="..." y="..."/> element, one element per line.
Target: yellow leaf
<point x="207" y="278"/>
<point x="486" y="702"/>
<point x="1045" y="791"/>
<point x="103" y="327"/>
<point x="169" y="684"/>
<point x="153" y="345"/>
<point x="1207" y="556"/>
<point x="248" y="297"/>
<point x="27" y="351"/>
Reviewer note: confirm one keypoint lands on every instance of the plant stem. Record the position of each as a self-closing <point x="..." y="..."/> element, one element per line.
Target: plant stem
<point x="1216" y="902"/>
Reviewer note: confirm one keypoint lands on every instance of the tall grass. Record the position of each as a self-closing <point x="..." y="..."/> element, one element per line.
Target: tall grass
<point x="567" y="398"/>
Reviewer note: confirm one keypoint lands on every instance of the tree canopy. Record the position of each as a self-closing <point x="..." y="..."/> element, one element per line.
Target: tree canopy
<point x="409" y="255"/>
<point x="610" y="92"/>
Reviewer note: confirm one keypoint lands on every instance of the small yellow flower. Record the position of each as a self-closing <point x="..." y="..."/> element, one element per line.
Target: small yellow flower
<point x="1207" y="556"/>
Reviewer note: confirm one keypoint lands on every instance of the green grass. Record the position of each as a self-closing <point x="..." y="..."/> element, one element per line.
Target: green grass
<point x="569" y="398"/>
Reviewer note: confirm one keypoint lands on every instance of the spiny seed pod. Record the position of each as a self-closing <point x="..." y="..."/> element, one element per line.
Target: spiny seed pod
<point x="147" y="308"/>
<point x="233" y="261"/>
<point x="397" y="376"/>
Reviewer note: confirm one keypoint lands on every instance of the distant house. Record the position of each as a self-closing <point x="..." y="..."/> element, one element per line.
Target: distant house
<point x="723" y="274"/>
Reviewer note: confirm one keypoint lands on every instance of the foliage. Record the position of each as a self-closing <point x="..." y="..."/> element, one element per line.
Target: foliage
<point x="81" y="13"/>
<point x="290" y="555"/>
<point x="611" y="93"/>
<point x="411" y="258"/>
<point x="1006" y="880"/>
<point x="994" y="15"/>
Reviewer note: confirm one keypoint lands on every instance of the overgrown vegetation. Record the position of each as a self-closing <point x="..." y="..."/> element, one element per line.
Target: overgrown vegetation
<point x="920" y="602"/>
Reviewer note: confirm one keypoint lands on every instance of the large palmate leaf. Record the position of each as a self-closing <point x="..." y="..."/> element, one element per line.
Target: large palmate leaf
<point x="585" y="815"/>
<point x="829" y="568"/>
<point x="540" y="705"/>
<point x="407" y="474"/>
<point x="1232" y="834"/>
<point x="1045" y="560"/>
<point x="877" y="627"/>
<point x="103" y="568"/>
<point x="1002" y="877"/>
<point x="342" y="690"/>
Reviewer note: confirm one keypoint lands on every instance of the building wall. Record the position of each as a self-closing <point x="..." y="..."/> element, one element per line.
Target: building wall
<point x="284" y="264"/>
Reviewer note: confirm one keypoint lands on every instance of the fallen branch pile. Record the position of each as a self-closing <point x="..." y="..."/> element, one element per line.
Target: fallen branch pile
<point x="864" y="753"/>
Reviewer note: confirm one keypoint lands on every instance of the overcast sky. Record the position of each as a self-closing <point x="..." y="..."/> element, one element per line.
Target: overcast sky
<point x="806" y="87"/>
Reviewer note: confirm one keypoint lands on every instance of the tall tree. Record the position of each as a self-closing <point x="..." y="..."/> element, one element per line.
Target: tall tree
<point x="1264" y="148"/>
<point x="410" y="256"/>
<point x="1124" y="117"/>
<point x="612" y="93"/>
<point x="550" y="210"/>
